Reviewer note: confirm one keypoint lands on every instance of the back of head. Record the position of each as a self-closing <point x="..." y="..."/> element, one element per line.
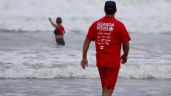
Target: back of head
<point x="110" y="7"/>
<point x="58" y="20"/>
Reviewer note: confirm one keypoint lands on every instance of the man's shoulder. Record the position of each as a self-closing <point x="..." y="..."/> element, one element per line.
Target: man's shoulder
<point x="97" y="21"/>
<point x="119" y="22"/>
<point x="101" y="19"/>
<point x="61" y="25"/>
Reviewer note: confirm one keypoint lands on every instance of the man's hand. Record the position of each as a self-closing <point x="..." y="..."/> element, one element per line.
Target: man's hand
<point x="84" y="63"/>
<point x="124" y="59"/>
<point x="53" y="24"/>
<point x="50" y="19"/>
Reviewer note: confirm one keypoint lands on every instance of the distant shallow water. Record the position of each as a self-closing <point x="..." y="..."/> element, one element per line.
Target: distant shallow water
<point x="35" y="55"/>
<point x="141" y="16"/>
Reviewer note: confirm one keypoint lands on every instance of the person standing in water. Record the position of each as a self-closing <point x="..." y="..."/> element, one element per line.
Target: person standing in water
<point x="110" y="36"/>
<point x="59" y="31"/>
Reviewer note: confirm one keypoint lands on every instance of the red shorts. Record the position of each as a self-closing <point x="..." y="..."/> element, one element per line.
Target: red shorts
<point x="108" y="77"/>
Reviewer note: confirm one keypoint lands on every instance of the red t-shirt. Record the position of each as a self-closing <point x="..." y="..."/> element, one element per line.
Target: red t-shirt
<point x="60" y="29"/>
<point x="108" y="34"/>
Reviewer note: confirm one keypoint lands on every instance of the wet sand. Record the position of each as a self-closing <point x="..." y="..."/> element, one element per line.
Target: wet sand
<point x="82" y="87"/>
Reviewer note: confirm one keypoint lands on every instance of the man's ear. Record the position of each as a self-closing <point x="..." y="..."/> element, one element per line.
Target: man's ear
<point x="115" y="10"/>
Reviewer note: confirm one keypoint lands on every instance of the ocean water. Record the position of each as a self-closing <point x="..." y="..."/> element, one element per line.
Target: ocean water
<point x="140" y="16"/>
<point x="24" y="55"/>
<point x="28" y="50"/>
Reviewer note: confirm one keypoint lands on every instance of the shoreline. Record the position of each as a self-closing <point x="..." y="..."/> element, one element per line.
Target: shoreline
<point x="82" y="87"/>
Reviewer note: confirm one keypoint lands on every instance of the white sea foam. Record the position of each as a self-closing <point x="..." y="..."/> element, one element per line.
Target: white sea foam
<point x="129" y="72"/>
<point x="138" y="15"/>
<point x="47" y="63"/>
<point x="35" y="56"/>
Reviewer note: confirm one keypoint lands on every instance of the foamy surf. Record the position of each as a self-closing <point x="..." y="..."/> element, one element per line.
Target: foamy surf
<point x="47" y="63"/>
<point x="28" y="49"/>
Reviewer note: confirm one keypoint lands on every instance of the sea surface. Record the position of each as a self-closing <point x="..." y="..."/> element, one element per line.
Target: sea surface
<point x="140" y="16"/>
<point x="32" y="65"/>
<point x="36" y="55"/>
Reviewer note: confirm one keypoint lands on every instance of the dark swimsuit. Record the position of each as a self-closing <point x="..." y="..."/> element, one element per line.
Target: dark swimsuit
<point x="59" y="41"/>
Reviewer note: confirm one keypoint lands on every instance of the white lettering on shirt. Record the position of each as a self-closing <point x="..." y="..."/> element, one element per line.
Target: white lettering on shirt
<point x="104" y="34"/>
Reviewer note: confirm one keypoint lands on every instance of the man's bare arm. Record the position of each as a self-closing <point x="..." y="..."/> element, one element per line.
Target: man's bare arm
<point x="124" y="57"/>
<point x="84" y="61"/>
<point x="53" y="24"/>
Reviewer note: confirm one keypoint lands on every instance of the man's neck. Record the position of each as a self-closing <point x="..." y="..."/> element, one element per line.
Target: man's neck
<point x="112" y="15"/>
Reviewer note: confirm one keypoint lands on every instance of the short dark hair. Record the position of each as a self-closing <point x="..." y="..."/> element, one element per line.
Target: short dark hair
<point x="110" y="7"/>
<point x="59" y="20"/>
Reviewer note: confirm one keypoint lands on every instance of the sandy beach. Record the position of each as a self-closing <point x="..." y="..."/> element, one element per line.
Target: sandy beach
<point x="82" y="87"/>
